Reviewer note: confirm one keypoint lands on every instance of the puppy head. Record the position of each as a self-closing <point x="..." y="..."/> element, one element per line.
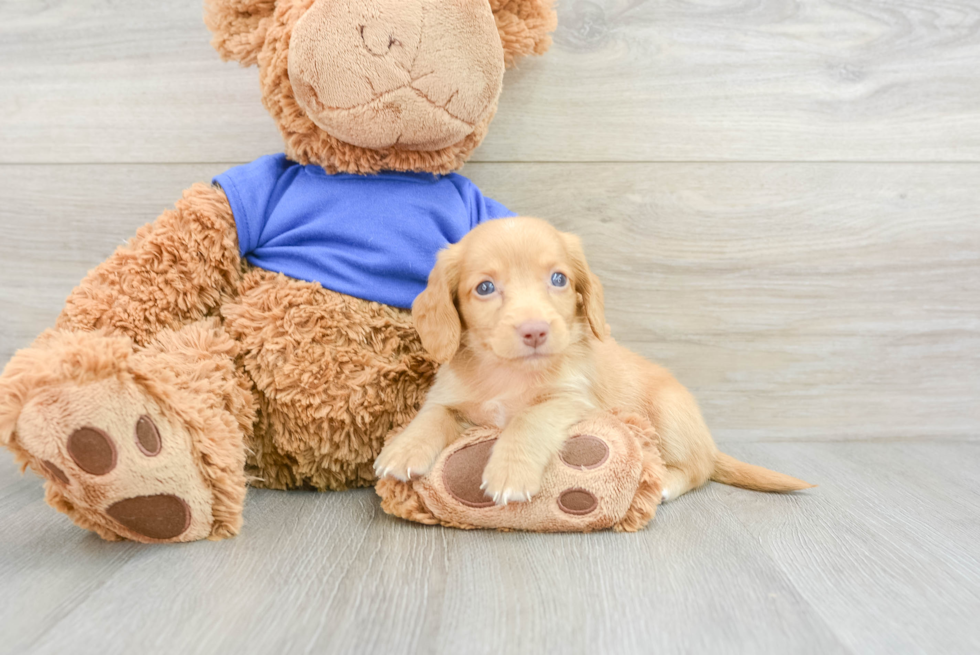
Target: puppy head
<point x="522" y="290"/>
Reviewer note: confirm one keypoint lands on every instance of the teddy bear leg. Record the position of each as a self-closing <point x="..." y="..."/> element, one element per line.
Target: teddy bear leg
<point x="142" y="444"/>
<point x="333" y="375"/>
<point x="608" y="474"/>
<point x="649" y="491"/>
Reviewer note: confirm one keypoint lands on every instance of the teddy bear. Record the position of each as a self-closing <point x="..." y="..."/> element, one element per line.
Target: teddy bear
<point x="259" y="332"/>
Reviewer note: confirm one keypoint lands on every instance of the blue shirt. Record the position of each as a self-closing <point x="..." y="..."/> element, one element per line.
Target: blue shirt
<point x="370" y="236"/>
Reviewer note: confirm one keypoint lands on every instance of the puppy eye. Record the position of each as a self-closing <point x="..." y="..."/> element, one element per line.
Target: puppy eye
<point x="485" y="288"/>
<point x="559" y="279"/>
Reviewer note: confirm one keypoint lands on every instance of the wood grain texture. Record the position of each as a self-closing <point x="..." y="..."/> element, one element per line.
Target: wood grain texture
<point x="914" y="556"/>
<point x="880" y="558"/>
<point x="800" y="301"/>
<point x="797" y="301"/>
<point x="659" y="80"/>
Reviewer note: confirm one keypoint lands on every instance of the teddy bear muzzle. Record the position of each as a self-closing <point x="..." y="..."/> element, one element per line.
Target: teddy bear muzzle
<point x="411" y="74"/>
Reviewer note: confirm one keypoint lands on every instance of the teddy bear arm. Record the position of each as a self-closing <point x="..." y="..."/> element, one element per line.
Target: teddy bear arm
<point x="176" y="270"/>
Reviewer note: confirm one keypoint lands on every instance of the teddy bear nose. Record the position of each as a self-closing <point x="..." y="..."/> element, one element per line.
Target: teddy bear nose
<point x="534" y="333"/>
<point x="378" y="38"/>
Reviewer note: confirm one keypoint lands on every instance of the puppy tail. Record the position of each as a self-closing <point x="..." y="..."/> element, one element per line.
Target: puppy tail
<point x="729" y="470"/>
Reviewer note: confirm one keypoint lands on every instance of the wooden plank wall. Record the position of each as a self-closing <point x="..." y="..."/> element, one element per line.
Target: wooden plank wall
<point x="781" y="196"/>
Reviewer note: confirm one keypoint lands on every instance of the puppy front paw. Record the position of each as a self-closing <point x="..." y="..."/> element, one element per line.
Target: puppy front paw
<point x="509" y="478"/>
<point x="406" y="457"/>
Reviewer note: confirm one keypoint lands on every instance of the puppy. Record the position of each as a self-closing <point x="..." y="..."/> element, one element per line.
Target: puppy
<point x="517" y="317"/>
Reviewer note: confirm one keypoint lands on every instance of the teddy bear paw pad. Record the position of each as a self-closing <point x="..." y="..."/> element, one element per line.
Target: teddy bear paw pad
<point x="463" y="474"/>
<point x="163" y="516"/>
<point x="92" y="450"/>
<point x="584" y="451"/>
<point x="578" y="502"/>
<point x="118" y="460"/>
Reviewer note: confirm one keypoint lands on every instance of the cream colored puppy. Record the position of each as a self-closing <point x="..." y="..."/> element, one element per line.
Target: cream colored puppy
<point x="517" y="316"/>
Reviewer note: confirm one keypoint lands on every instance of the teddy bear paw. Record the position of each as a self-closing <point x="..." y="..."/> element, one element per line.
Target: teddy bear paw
<point x="608" y="474"/>
<point x="578" y="491"/>
<point x="121" y="466"/>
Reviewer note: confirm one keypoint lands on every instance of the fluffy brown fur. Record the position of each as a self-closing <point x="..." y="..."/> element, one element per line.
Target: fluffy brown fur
<point x="334" y="374"/>
<point x="259" y="31"/>
<point x="326" y="376"/>
<point x="186" y="380"/>
<point x="151" y="283"/>
<point x="649" y="490"/>
<point x="245" y="373"/>
<point x="518" y="314"/>
<point x="525" y="27"/>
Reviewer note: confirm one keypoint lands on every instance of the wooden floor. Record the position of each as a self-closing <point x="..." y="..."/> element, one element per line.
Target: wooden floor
<point x="782" y="198"/>
<point x="881" y="558"/>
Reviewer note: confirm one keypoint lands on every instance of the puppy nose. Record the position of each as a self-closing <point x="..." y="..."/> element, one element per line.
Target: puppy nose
<point x="534" y="333"/>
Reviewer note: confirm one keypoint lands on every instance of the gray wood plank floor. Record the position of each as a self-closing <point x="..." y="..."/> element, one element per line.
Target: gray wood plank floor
<point x="880" y="558"/>
<point x="783" y="200"/>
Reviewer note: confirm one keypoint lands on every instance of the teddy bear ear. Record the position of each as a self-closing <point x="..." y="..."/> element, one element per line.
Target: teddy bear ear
<point x="525" y="26"/>
<point x="239" y="27"/>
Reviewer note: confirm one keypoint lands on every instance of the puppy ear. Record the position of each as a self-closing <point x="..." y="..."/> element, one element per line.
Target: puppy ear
<point x="587" y="285"/>
<point x="239" y="27"/>
<point x="434" y="311"/>
<point x="525" y="27"/>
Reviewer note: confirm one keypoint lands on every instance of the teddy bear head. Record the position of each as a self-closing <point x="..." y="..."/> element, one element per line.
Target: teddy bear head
<point x="361" y="86"/>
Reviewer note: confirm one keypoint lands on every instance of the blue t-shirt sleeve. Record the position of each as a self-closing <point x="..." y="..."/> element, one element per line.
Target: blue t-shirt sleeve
<point x="479" y="206"/>
<point x="250" y="189"/>
<point x="494" y="209"/>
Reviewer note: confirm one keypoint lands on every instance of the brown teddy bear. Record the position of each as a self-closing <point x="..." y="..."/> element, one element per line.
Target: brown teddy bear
<point x="258" y="333"/>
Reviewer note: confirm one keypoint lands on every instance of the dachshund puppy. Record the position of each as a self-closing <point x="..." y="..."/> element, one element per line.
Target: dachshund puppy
<point x="516" y="315"/>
